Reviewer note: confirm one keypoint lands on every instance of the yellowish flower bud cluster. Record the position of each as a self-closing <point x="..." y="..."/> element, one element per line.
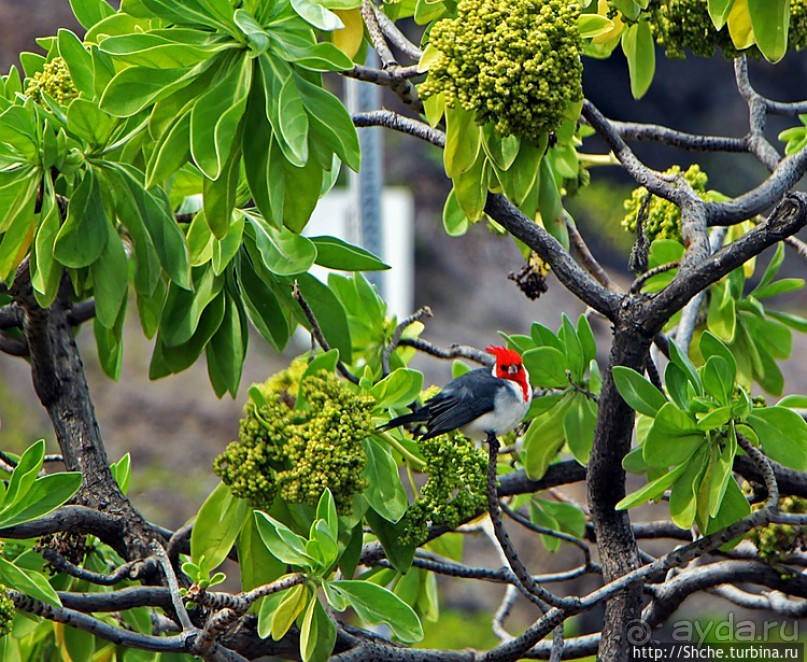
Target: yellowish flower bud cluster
<point x="54" y="80"/>
<point x="685" y="25"/>
<point x="455" y="490"/>
<point x="779" y="540"/>
<point x="662" y="218"/>
<point x="7" y="610"/>
<point x="297" y="453"/>
<point x="516" y="63"/>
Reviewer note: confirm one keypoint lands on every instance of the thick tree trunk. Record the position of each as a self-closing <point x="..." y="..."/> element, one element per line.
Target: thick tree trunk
<point x="606" y="486"/>
<point x="60" y="383"/>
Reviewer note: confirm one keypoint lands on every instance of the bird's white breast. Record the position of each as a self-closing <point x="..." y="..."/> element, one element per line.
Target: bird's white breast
<point x="509" y="410"/>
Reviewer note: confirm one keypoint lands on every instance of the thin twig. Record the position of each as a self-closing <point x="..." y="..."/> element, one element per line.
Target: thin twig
<point x="526" y="523"/>
<point x="637" y="284"/>
<point x="585" y="256"/>
<point x="173" y="586"/>
<point x="132" y="570"/>
<point x="454" y="351"/>
<point x="316" y="332"/>
<point x="395" y="36"/>
<point x="765" y="468"/>
<point x="398" y="122"/>
<point x="528" y="586"/>
<point x="396" y="336"/>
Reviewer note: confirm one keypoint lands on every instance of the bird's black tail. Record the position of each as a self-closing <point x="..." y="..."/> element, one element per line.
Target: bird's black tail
<point x="418" y="416"/>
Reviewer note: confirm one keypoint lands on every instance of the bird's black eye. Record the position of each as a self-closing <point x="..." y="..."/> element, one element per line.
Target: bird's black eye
<point x="512" y="369"/>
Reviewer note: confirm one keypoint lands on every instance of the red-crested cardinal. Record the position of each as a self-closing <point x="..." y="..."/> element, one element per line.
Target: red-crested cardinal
<point x="478" y="403"/>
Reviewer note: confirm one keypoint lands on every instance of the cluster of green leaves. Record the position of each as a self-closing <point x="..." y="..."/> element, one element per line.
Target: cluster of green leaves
<point x="480" y="157"/>
<point x="24" y="497"/>
<point x="564" y="363"/>
<point x="157" y="105"/>
<point x="28" y="496"/>
<point x="756" y="335"/>
<point x="688" y="437"/>
<point x="313" y="541"/>
<point x="757" y="27"/>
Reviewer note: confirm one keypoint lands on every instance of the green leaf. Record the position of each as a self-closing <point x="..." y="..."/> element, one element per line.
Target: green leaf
<point x="547" y="367"/>
<point x="226" y="351"/>
<point x="134" y="88"/>
<point x="284" y="253"/>
<point x="771" y="270"/>
<point x="718" y="379"/>
<point x="217" y="525"/>
<point x="330" y="314"/>
<point x="710" y="345"/>
<point x="462" y="141"/>
<point x="673" y="437"/>
<point x="455" y="222"/>
<point x="401" y="387"/>
<point x="110" y="274"/>
<point x="44" y="495"/>
<point x="375" y="605"/>
<point x="639" y="49"/>
<point x="544" y="438"/>
<point x="262" y="306"/>
<point x="637" y="391"/>
<point x="167" y="238"/>
<point x="331" y="124"/>
<point x="783" y="434"/>
<point x="502" y="150"/>
<point x="782" y="286"/>
<point x="334" y="253"/>
<point x="79" y="62"/>
<point x="215" y="118"/>
<point x="89" y="12"/>
<point x="578" y="427"/>
<point x="733" y="508"/>
<point x="587" y="342"/>
<point x="258" y="566"/>
<point x="293" y="125"/>
<point x="770" y="20"/>
<point x="85" y="232"/>
<point x="293" y="603"/>
<point x="171" y="152"/>
<point x="384" y="493"/>
<point x="683" y="362"/>
<point x="653" y="489"/>
<point x="25" y="473"/>
<point x="550" y="205"/>
<point x="303" y="186"/>
<point x="570" y="518"/>
<point x="28" y="581"/>
<point x="282" y="542"/>
<point x="522" y="176"/>
<point x="593" y="25"/>
<point x="719" y="12"/>
<point x="793" y="321"/>
<point x="256" y="36"/>
<point x="317" y="633"/>
<point x="400" y="555"/>
<point x="183" y="309"/>
<point x="219" y="196"/>
<point x="683" y="496"/>
<point x="716" y="418"/>
<point x="317" y="15"/>
<point x="471" y="189"/>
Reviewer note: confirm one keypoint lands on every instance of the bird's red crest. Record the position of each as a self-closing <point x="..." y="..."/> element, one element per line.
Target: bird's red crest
<point x="504" y="356"/>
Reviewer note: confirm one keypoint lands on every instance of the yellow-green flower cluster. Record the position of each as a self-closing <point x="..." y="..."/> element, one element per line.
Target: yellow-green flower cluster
<point x="6" y="612"/>
<point x="54" y="80"/>
<point x="662" y="218"/>
<point x="455" y="490"/>
<point x="777" y="540"/>
<point x="516" y="63"/>
<point x="681" y="25"/>
<point x="297" y="453"/>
